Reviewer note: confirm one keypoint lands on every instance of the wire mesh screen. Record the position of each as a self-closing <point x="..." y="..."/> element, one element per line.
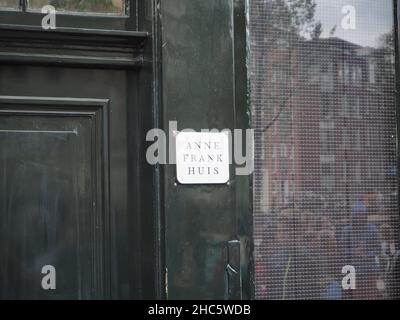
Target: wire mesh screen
<point x="326" y="220"/>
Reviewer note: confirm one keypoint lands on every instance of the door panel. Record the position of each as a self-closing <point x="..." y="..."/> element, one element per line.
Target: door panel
<point x="52" y="212"/>
<point x="80" y="99"/>
<point x="82" y="93"/>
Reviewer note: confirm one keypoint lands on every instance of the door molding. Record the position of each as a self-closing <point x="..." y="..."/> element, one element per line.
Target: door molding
<point x="98" y="111"/>
<point x="72" y="47"/>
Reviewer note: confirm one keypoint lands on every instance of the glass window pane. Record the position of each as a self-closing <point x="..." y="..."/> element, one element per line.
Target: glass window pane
<point x="116" y="7"/>
<point x="9" y="3"/>
<point x="326" y="68"/>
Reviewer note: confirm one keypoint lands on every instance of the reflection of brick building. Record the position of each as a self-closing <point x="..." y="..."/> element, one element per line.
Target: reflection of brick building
<point x="325" y="124"/>
<point x="329" y="136"/>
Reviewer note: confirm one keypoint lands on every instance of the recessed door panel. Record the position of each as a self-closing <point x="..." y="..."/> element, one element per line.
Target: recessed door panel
<point x="51" y="213"/>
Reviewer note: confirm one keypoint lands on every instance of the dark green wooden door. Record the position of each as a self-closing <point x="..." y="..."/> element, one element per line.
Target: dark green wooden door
<point x="53" y="211"/>
<point x="71" y="169"/>
<point x="56" y="181"/>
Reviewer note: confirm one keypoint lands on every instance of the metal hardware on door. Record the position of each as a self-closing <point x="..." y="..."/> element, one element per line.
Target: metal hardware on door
<point x="234" y="279"/>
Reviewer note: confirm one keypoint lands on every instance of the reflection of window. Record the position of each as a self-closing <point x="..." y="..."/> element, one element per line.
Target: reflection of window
<point x="354" y="75"/>
<point x="324" y="67"/>
<point x="274" y="151"/>
<point x="314" y="73"/>
<point x="263" y="149"/>
<point x="275" y="187"/>
<point x="346" y="74"/>
<point x="286" y="192"/>
<point x="357" y="172"/>
<point x="284" y="166"/>
<point x="285" y="121"/>
<point x="345" y="104"/>
<point x="279" y="79"/>
<point x="345" y="137"/>
<point x="274" y="166"/>
<point x="351" y="105"/>
<point x="327" y="141"/>
<point x="327" y="169"/>
<point x="357" y="106"/>
<point x="97" y="6"/>
<point x="283" y="150"/>
<point x="9" y="3"/>
<point x="327" y="158"/>
<point x="326" y="84"/>
<point x="274" y="158"/>
<point x="328" y="183"/>
<point x="371" y="68"/>
<point x="275" y="125"/>
<point x="368" y="138"/>
<point x="326" y="106"/>
<point x="113" y="7"/>
<point x="358" y="139"/>
<point x="358" y="74"/>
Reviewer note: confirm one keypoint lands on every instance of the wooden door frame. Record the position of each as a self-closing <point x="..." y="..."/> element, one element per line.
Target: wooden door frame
<point x="117" y="45"/>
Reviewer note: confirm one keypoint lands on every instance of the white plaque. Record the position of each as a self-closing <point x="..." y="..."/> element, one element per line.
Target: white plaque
<point x="202" y="157"/>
